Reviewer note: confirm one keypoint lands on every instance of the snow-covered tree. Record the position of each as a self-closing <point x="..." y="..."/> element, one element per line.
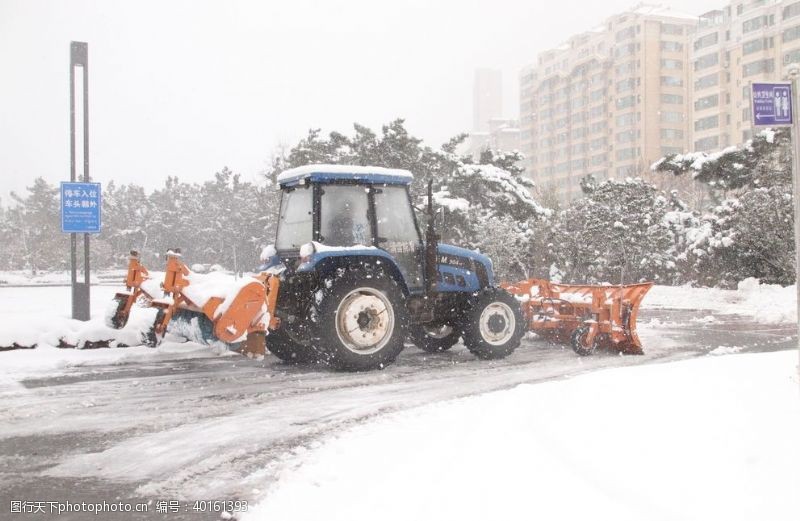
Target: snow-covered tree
<point x="749" y="233"/>
<point x="38" y="223"/>
<point x="618" y="233"/>
<point x="765" y="160"/>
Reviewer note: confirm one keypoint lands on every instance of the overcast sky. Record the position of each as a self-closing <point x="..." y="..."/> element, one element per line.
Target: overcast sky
<point x="185" y="88"/>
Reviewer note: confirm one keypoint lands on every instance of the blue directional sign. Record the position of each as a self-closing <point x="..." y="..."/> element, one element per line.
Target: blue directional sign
<point x="80" y="207"/>
<point x="772" y="104"/>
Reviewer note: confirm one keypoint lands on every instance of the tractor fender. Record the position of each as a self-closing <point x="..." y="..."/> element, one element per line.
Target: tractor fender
<point x="326" y="262"/>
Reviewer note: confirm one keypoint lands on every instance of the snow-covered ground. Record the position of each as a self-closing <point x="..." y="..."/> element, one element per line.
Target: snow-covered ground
<point x="188" y="422"/>
<point x="765" y="303"/>
<point x="709" y="438"/>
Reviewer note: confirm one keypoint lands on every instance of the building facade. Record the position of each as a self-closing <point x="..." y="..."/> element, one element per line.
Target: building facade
<point x="650" y="82"/>
<point x="608" y="101"/>
<point x="742" y="43"/>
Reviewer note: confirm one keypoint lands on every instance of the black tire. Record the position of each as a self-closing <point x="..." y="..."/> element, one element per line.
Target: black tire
<point x="494" y="325"/>
<point x="114" y="312"/>
<point x="577" y="341"/>
<point x="382" y="331"/>
<point x="280" y="344"/>
<point x="149" y="337"/>
<point x="436" y="341"/>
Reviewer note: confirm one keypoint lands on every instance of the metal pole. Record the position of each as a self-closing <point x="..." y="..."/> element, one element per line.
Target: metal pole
<point x="79" y="52"/>
<point x="86" y="178"/>
<point x="796" y="194"/>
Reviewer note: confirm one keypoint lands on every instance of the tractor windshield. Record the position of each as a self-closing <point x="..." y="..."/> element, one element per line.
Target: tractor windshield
<point x="295" y="222"/>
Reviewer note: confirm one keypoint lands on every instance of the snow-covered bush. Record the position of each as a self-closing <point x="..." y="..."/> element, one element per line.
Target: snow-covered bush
<point x="748" y="236"/>
<point x="749" y="232"/>
<point x="621" y="232"/>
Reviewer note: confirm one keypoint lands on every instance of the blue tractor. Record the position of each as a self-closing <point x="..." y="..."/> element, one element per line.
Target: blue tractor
<point x="357" y="279"/>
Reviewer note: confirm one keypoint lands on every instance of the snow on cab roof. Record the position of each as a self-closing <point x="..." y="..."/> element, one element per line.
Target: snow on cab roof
<point x="374" y="174"/>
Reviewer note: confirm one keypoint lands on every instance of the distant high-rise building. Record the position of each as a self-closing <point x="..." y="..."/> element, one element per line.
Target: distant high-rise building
<point x="487" y="98"/>
<point x="609" y="101"/>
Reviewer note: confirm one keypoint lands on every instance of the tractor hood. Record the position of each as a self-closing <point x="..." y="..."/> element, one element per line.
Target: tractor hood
<point x="468" y="260"/>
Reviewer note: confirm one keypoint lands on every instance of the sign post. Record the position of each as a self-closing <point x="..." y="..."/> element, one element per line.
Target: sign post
<point x="79" y="58"/>
<point x="773" y="106"/>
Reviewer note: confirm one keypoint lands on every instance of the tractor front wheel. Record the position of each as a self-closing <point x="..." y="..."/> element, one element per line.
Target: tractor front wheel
<point x="281" y="344"/>
<point x="435" y="339"/>
<point x="360" y="322"/>
<point x="494" y="325"/>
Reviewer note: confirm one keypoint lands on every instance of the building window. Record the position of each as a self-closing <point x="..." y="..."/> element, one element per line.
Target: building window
<point x="671" y="29"/>
<point x="625" y="154"/>
<point x="791" y="57"/>
<point x="625" y="68"/>
<point x="707" y="143"/>
<point x="706" y="102"/>
<point x="625" y="50"/>
<point x="706" y="123"/>
<point x="626" y="119"/>
<point x="704" y="62"/>
<point x="672" y="99"/>
<point x="791" y="34"/>
<point x="668" y="151"/>
<point x="626" y="136"/>
<point x="599" y="159"/>
<point x="757" y="23"/>
<point x="671" y="133"/>
<point x="668" y="116"/>
<point x="626" y="101"/>
<point x="758" y="44"/>
<point x="746" y="114"/>
<point x="626" y="33"/>
<point x="671" y="81"/>
<point x="626" y="85"/>
<point x="626" y="171"/>
<point x="791" y="10"/>
<point x="671" y="46"/>
<point x="758" y="67"/>
<point x="705" y="41"/>
<point x="706" y="81"/>
<point x="672" y="64"/>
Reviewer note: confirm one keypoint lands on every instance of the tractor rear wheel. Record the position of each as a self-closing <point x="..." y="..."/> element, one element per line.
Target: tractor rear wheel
<point x="360" y="321"/>
<point x="434" y="339"/>
<point x="494" y="325"/>
<point x="281" y="344"/>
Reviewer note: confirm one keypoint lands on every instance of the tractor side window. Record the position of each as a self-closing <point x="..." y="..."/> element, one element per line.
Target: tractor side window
<point x="295" y="222"/>
<point x="344" y="216"/>
<point x="395" y="217"/>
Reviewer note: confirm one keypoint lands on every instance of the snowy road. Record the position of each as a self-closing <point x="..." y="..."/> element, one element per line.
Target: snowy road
<point x="197" y="426"/>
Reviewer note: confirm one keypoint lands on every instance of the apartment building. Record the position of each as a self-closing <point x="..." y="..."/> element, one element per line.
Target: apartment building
<point x="742" y="43"/>
<point x="609" y="101"/>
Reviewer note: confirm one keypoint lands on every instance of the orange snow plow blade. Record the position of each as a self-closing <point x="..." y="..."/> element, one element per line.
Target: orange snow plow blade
<point x="242" y="309"/>
<point x="586" y="316"/>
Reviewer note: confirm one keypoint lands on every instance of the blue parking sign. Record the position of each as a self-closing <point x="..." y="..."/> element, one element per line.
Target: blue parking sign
<point x="772" y="104"/>
<point x="80" y="207"/>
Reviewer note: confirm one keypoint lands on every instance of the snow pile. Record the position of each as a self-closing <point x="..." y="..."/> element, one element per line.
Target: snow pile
<point x="203" y="286"/>
<point x="344" y="171"/>
<point x="623" y="444"/>
<point x="765" y="303"/>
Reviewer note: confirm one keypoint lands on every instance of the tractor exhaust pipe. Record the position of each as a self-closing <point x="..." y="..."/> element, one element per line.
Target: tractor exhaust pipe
<point x="431" y="246"/>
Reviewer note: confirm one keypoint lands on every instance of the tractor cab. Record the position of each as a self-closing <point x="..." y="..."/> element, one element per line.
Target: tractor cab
<point x="335" y="210"/>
